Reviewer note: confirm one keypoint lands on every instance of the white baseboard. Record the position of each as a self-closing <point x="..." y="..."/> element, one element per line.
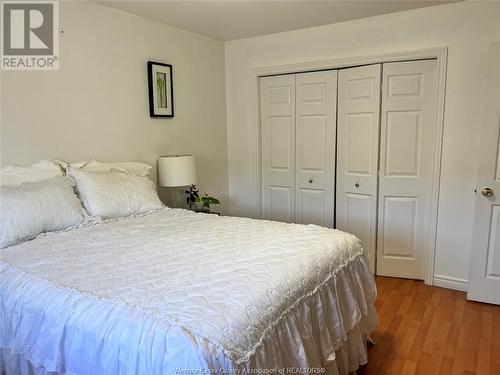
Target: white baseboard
<point x="451" y="283"/>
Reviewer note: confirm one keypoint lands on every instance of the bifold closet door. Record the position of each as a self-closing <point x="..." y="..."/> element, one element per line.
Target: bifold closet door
<point x="298" y="147"/>
<point x="357" y="154"/>
<point x="407" y="146"/>
<point x="277" y="100"/>
<point x="316" y="98"/>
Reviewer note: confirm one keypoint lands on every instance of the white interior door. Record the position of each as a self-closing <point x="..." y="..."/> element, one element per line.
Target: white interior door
<point x="357" y="154"/>
<point x="484" y="279"/>
<point x="316" y="101"/>
<point x="406" y="164"/>
<point x="277" y="95"/>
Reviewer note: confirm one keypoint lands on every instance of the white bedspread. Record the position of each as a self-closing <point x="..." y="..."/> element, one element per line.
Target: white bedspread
<point x="175" y="290"/>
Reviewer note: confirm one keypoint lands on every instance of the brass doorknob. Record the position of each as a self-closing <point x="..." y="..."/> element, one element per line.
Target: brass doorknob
<point x="487" y="192"/>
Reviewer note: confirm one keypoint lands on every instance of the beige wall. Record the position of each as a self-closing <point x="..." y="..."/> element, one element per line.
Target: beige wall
<point x="96" y="105"/>
<point x="467" y="28"/>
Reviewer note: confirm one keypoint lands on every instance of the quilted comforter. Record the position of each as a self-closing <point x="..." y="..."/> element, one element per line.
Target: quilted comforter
<point x="176" y="292"/>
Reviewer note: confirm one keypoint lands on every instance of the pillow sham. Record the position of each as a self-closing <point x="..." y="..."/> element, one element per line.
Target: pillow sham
<point x="32" y="208"/>
<point x="43" y="170"/>
<point x="140" y="169"/>
<point x="115" y="194"/>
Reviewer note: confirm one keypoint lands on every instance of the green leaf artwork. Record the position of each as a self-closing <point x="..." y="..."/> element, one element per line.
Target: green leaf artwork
<point x="160" y="88"/>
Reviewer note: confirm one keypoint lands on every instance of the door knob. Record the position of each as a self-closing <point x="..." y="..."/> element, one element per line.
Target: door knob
<point x="310" y="180"/>
<point x="487" y="192"/>
<point x="356" y="184"/>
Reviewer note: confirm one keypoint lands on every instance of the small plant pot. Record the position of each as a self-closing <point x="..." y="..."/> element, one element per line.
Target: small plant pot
<point x="198" y="207"/>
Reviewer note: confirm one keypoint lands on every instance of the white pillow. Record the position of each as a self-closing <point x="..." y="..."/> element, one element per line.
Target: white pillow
<point x="43" y="170"/>
<point x="37" y="207"/>
<point x="140" y="169"/>
<point x="115" y="194"/>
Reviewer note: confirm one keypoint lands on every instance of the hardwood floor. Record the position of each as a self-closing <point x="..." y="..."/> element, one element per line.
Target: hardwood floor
<point x="429" y="330"/>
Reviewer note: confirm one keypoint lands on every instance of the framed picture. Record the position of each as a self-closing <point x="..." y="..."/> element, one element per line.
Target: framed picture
<point x="161" y="92"/>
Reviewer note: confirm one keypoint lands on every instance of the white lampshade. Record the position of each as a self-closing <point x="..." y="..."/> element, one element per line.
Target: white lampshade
<point x="176" y="170"/>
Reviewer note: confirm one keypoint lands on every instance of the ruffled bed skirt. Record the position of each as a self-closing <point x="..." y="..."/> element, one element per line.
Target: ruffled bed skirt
<point x="328" y="329"/>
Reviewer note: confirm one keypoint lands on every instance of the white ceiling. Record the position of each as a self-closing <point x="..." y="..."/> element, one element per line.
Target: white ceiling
<point x="228" y="20"/>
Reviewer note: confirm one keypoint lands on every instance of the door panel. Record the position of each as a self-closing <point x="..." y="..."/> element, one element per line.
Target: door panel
<point x="312" y="132"/>
<point x="357" y="163"/>
<point x="484" y="279"/>
<point x="315" y="147"/>
<point x="280" y="201"/>
<point x="280" y="152"/>
<point x="399" y="227"/>
<point x="358" y="207"/>
<point x="277" y="96"/>
<point x="311" y="206"/>
<point x="493" y="257"/>
<point x="406" y="164"/>
<point x="360" y="140"/>
<point x="404" y="85"/>
<point x="402" y="154"/>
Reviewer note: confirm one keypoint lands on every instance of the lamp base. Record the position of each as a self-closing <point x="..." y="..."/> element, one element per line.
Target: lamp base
<point x="173" y="197"/>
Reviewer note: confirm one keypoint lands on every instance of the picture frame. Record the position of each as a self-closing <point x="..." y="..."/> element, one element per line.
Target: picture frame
<point x="160" y="89"/>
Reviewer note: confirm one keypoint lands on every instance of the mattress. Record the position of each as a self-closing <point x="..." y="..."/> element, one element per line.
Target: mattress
<point x="175" y="292"/>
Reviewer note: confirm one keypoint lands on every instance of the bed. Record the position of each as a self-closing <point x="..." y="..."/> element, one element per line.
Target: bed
<point x="178" y="292"/>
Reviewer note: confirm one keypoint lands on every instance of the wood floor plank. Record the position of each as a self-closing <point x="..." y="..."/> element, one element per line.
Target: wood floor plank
<point x="425" y="365"/>
<point x="456" y="324"/>
<point x="472" y="323"/>
<point x="495" y="359"/>
<point x="418" y="344"/>
<point x="446" y="366"/>
<point x="404" y="306"/>
<point x="484" y="354"/>
<point x="484" y="357"/>
<point x="495" y="334"/>
<point x="428" y="330"/>
<point x="409" y="368"/>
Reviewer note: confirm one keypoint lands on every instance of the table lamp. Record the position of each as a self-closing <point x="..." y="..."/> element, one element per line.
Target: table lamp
<point x="176" y="170"/>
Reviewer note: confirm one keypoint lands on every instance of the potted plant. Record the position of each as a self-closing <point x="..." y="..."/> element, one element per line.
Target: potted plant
<point x="197" y="203"/>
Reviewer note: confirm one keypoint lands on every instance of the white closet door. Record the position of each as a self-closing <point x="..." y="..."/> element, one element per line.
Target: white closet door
<point x="277" y="95"/>
<point x="406" y="161"/>
<point x="357" y="154"/>
<point x="484" y="280"/>
<point x="316" y="99"/>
